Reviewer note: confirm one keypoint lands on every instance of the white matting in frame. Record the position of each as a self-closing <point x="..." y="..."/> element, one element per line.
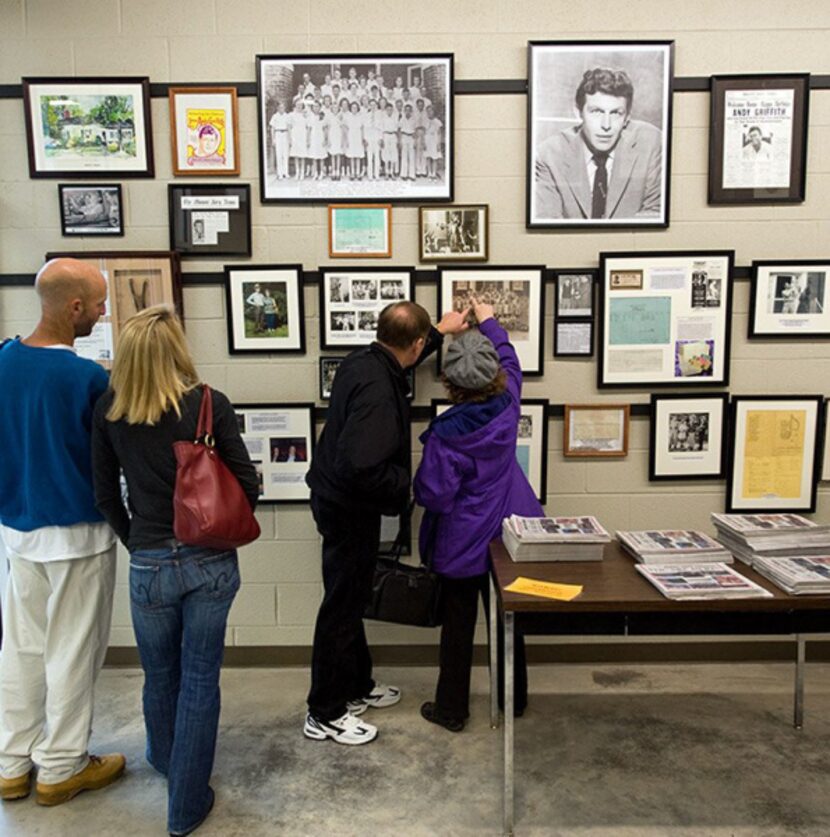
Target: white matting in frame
<point x="790" y="299"/>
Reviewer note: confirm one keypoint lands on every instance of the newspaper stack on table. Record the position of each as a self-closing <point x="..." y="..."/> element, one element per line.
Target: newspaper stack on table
<point x="800" y="575"/>
<point x="673" y="546"/>
<point x="750" y="536"/>
<point x="701" y="582"/>
<point x="554" y="538"/>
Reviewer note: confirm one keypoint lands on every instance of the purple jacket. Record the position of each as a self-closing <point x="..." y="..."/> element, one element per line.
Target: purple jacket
<point x="469" y="478"/>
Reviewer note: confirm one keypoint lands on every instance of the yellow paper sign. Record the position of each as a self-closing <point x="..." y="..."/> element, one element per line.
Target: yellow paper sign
<point x="545" y="589"/>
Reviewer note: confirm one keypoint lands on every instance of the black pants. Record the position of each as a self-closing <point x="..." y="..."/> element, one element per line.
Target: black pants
<point x="341" y="665"/>
<point x="459" y="605"/>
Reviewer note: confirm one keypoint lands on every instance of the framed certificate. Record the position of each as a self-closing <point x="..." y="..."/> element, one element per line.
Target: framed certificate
<point x="596" y="429"/>
<point x="360" y="231"/>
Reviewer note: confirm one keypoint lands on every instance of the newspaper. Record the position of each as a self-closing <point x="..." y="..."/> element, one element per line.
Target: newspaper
<point x="699" y="583"/>
<point x="669" y="541"/>
<point x="800" y="575"/>
<point x="558" y="529"/>
<point x="763" y="523"/>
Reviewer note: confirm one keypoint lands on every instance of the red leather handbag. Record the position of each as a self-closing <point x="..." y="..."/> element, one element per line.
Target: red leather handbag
<point x="209" y="506"/>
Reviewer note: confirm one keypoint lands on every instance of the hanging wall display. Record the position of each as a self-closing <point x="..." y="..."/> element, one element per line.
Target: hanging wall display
<point x="573" y="338"/>
<point x="687" y="438"/>
<point x="596" y="429"/>
<point x="345" y="128"/>
<point x="328" y="369"/>
<point x="360" y="231"/>
<point x="599" y="125"/>
<point x="574" y="294"/>
<point x="210" y="220"/>
<point x="88" y="127"/>
<point x="789" y="299"/>
<point x="758" y="138"/>
<point x="280" y="441"/>
<point x="773" y="463"/>
<point x="517" y="295"/>
<point x="265" y="308"/>
<point x="457" y="233"/>
<point x="664" y="318"/>
<point x="93" y="209"/>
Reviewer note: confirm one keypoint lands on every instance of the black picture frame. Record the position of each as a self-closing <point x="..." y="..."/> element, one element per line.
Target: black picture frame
<point x="108" y="223"/>
<point x="235" y="242"/>
<point x="326" y="361"/>
<point x="562" y="281"/>
<point x="559" y="351"/>
<point x="744" y="125"/>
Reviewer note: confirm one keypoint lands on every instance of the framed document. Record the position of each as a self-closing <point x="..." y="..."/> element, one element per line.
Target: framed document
<point x="688" y="437"/>
<point x="457" y="233"/>
<point x="265" y="308"/>
<point x="574" y="293"/>
<point x="517" y="295"/>
<point x="774" y="459"/>
<point x="596" y="429"/>
<point x="95" y="209"/>
<point x="664" y="318"/>
<point x="790" y="299"/>
<point x="573" y="338"/>
<point x="280" y="439"/>
<point x="758" y="138"/>
<point x="360" y="231"/>
<point x="210" y="220"/>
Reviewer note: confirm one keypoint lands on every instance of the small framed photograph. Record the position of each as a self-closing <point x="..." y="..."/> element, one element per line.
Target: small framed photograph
<point x="265" y="308"/>
<point x="351" y="301"/>
<point x="88" y="127"/>
<point x="574" y="294"/>
<point x="92" y="209"/>
<point x="280" y="439"/>
<point x="825" y="467"/>
<point x="328" y="369"/>
<point x="458" y="233"/>
<point x="360" y="231"/>
<point x="210" y="220"/>
<point x="596" y="429"/>
<point x="774" y="454"/>
<point x="758" y="138"/>
<point x="204" y="130"/>
<point x="573" y="338"/>
<point x="790" y="299"/>
<point x="688" y="437"/>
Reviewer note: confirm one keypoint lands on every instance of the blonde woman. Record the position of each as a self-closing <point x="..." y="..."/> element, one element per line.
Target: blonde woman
<point x="179" y="595"/>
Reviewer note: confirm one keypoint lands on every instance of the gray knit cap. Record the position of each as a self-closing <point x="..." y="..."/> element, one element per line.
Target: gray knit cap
<point x="471" y="361"/>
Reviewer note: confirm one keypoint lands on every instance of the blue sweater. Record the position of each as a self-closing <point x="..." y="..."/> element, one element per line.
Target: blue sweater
<point x="46" y="402"/>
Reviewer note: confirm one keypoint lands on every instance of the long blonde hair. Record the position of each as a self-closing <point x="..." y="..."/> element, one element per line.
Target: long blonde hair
<point x="153" y="368"/>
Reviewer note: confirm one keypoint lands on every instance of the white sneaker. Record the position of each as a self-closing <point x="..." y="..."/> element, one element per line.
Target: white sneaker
<point x="346" y="729"/>
<point x="379" y="698"/>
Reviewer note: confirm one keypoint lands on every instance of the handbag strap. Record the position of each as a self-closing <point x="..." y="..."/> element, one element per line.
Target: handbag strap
<point x="204" y="426"/>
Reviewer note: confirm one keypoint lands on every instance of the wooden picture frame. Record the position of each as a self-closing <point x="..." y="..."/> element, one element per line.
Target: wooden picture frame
<point x="212" y="219"/>
<point x="94" y="209"/>
<point x="454" y="233"/>
<point x="596" y="430"/>
<point x="360" y="231"/>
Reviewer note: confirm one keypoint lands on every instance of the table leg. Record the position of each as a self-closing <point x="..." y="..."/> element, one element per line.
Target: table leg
<point x="494" y="657"/>
<point x="509" y="631"/>
<point x="798" y="710"/>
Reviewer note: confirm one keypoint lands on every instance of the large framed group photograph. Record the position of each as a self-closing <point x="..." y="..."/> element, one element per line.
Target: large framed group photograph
<point x="599" y="125"/>
<point x="665" y="318"/>
<point x="758" y="138"/>
<point x="789" y="299"/>
<point x="210" y="220"/>
<point x="350" y="128"/>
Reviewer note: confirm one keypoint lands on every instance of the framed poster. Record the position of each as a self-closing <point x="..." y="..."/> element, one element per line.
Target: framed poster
<point x="687" y="438"/>
<point x="758" y="138"/>
<point x="531" y="442"/>
<point x="265" y="308"/>
<point x="517" y="295"/>
<point x="573" y="338"/>
<point x="664" y="318"/>
<point x="204" y="130"/>
<point x="351" y="301"/>
<point x="280" y="439"/>
<point x="360" y="230"/>
<point x="596" y="429"/>
<point x="599" y="125"/>
<point x="346" y="128"/>
<point x="774" y="457"/>
<point x="88" y="127"/>
<point x="135" y="280"/>
<point x="93" y="209"/>
<point x="210" y="220"/>
<point x="328" y="369"/>
<point x="457" y="233"/>
<point x="789" y="299"/>
<point x="574" y="293"/>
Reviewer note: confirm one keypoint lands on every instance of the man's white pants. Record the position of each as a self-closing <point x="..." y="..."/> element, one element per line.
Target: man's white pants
<point x="56" y="625"/>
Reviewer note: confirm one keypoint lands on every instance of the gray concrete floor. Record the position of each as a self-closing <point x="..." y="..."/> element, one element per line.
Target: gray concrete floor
<point x="603" y="751"/>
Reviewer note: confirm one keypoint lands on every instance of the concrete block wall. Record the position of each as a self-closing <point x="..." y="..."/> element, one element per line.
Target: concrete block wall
<point x="167" y="42"/>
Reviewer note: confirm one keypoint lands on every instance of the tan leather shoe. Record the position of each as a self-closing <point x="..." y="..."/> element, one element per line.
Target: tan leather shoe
<point x="17" y="788"/>
<point x="100" y="772"/>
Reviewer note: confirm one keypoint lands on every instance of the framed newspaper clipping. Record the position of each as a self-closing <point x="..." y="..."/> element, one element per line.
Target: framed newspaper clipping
<point x="664" y="318"/>
<point x="789" y="299"/>
<point x="758" y="138"/>
<point x="596" y="429"/>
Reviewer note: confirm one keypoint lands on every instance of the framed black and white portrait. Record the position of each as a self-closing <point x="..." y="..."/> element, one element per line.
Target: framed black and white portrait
<point x="91" y="209"/>
<point x="210" y="220"/>
<point x="355" y="128"/>
<point x="517" y="295"/>
<point x="457" y="233"/>
<point x="351" y="301"/>
<point x="329" y="364"/>
<point x="758" y="138"/>
<point x="599" y="133"/>
<point x="574" y="294"/>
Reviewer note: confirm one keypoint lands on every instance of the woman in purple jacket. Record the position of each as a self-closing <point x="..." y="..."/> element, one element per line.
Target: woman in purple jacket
<point x="468" y="481"/>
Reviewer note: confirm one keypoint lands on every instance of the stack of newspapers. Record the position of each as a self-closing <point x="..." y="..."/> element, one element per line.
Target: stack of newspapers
<point x="554" y="538"/>
<point x="752" y="536"/>
<point x="673" y="546"/>
<point x="800" y="575"/>
<point x="701" y="582"/>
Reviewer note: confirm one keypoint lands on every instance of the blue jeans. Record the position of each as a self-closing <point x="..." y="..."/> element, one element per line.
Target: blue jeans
<point x="180" y="597"/>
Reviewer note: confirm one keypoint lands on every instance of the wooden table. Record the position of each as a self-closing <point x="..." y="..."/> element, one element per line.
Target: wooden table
<point x="617" y="600"/>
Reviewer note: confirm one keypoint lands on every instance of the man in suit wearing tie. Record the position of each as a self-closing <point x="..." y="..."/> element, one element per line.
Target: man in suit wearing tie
<point x="609" y="166"/>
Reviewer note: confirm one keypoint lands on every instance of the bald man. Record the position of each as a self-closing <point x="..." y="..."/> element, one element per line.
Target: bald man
<point x="58" y="603"/>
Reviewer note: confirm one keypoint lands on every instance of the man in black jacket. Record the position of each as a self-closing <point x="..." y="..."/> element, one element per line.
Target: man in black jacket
<point x="359" y="472"/>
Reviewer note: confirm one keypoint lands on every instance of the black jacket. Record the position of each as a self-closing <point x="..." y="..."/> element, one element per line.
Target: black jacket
<point x="362" y="460"/>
